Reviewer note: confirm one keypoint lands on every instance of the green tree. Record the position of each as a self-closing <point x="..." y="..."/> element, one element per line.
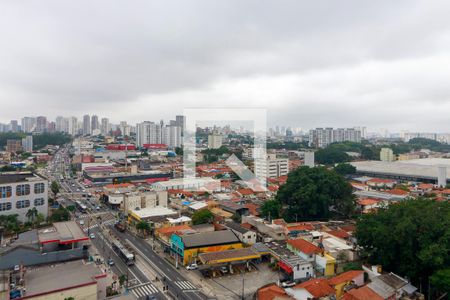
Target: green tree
<point x="271" y="209"/>
<point x="314" y="194"/>
<point x="143" y="227"/>
<point x="59" y="215"/>
<point x="9" y="224"/>
<point x="331" y="156"/>
<point x="202" y="216"/>
<point x="345" y="169"/>
<point x="410" y="238"/>
<point x="32" y="214"/>
<point x="440" y="280"/>
<point x="55" y="188"/>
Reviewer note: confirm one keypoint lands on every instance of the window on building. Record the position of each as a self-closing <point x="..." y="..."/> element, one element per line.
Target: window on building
<point x="22" y="204"/>
<point x="5" y="206"/>
<point x="39" y="188"/>
<point x="22" y="189"/>
<point x="5" y="191"/>
<point x="39" y="201"/>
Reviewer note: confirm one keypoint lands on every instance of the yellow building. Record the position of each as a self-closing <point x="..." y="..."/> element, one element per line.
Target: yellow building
<point x="188" y="247"/>
<point x="342" y="280"/>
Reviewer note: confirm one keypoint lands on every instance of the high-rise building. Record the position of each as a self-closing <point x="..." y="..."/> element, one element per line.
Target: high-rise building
<point x="94" y="123"/>
<point x="180" y="121"/>
<point x="105" y="127"/>
<point x="59" y="124"/>
<point x="272" y="167"/>
<point x="124" y="128"/>
<point x="214" y="140"/>
<point x="86" y="125"/>
<point x="171" y="136"/>
<point x="148" y="133"/>
<point x="14" y="126"/>
<point x="41" y="124"/>
<point x="72" y="126"/>
<point x="27" y="143"/>
<point x="386" y="154"/>
<point x="322" y="137"/>
<point x="28" y="124"/>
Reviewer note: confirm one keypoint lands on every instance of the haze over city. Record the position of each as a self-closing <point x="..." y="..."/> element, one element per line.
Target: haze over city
<point x="380" y="65"/>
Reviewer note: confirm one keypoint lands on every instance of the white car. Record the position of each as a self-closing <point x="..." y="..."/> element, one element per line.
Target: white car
<point x="92" y="236"/>
<point x="81" y="222"/>
<point x="192" y="267"/>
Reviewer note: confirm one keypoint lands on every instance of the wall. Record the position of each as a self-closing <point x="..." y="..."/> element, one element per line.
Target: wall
<point x="86" y="292"/>
<point x="191" y="254"/>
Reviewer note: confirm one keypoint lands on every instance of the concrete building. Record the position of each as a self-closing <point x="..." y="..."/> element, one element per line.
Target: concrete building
<point x="95" y="125"/>
<point x="14" y="126"/>
<point x="309" y="159"/>
<point x="322" y="137"/>
<point x="105" y="127"/>
<point x="21" y="191"/>
<point x="272" y="167"/>
<point x="28" y="124"/>
<point x="386" y="154"/>
<point x="148" y="133"/>
<point x="41" y="124"/>
<point x="13" y="146"/>
<point x="171" y="136"/>
<point x="180" y="121"/>
<point x="86" y="125"/>
<point x="27" y="143"/>
<point x="214" y="140"/>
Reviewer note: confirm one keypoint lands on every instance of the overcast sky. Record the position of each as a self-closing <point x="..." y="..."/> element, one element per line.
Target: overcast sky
<point x="380" y="64"/>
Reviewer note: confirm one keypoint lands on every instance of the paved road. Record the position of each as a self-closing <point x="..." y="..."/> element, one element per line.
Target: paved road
<point x="179" y="286"/>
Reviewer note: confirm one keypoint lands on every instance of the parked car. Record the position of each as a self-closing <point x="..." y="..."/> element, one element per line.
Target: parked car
<point x="192" y="267"/>
<point x="224" y="270"/>
<point x="81" y="222"/>
<point x="110" y="262"/>
<point x="92" y="236"/>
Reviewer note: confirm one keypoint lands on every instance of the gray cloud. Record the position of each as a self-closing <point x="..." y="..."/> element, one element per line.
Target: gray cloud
<point x="382" y="64"/>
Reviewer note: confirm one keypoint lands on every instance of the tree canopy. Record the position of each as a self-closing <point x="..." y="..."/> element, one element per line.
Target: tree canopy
<point x="345" y="169"/>
<point x="202" y="216"/>
<point x="315" y="193"/>
<point x="331" y="156"/>
<point x="411" y="238"/>
<point x="271" y="209"/>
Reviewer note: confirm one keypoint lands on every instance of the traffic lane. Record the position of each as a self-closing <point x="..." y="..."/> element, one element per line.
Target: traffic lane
<point x="165" y="268"/>
<point x="119" y="266"/>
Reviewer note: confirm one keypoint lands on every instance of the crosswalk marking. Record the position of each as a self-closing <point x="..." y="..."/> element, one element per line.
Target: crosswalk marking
<point x="144" y="290"/>
<point x="185" y="285"/>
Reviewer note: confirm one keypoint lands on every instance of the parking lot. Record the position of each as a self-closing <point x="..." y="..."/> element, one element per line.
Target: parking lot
<point x="230" y="286"/>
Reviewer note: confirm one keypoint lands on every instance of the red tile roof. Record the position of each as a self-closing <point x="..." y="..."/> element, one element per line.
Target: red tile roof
<point x="317" y="287"/>
<point x="345" y="277"/>
<point x="363" y="293"/>
<point x="300" y="227"/>
<point x="380" y="180"/>
<point x="253" y="208"/>
<point x="342" y="234"/>
<point x="348" y="228"/>
<point x="273" y="188"/>
<point x="367" y="201"/>
<point x="172" y="229"/>
<point x="245" y="192"/>
<point x="271" y="292"/>
<point x="398" y="192"/>
<point x="304" y="246"/>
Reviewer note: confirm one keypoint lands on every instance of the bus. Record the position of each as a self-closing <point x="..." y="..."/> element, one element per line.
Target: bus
<point x="80" y="206"/>
<point x="123" y="253"/>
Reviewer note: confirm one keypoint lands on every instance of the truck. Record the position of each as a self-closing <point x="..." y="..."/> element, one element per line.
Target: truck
<point x="120" y="226"/>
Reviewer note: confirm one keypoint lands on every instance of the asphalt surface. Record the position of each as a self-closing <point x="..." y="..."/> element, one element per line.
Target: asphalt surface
<point x="72" y="190"/>
<point x="178" y="285"/>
